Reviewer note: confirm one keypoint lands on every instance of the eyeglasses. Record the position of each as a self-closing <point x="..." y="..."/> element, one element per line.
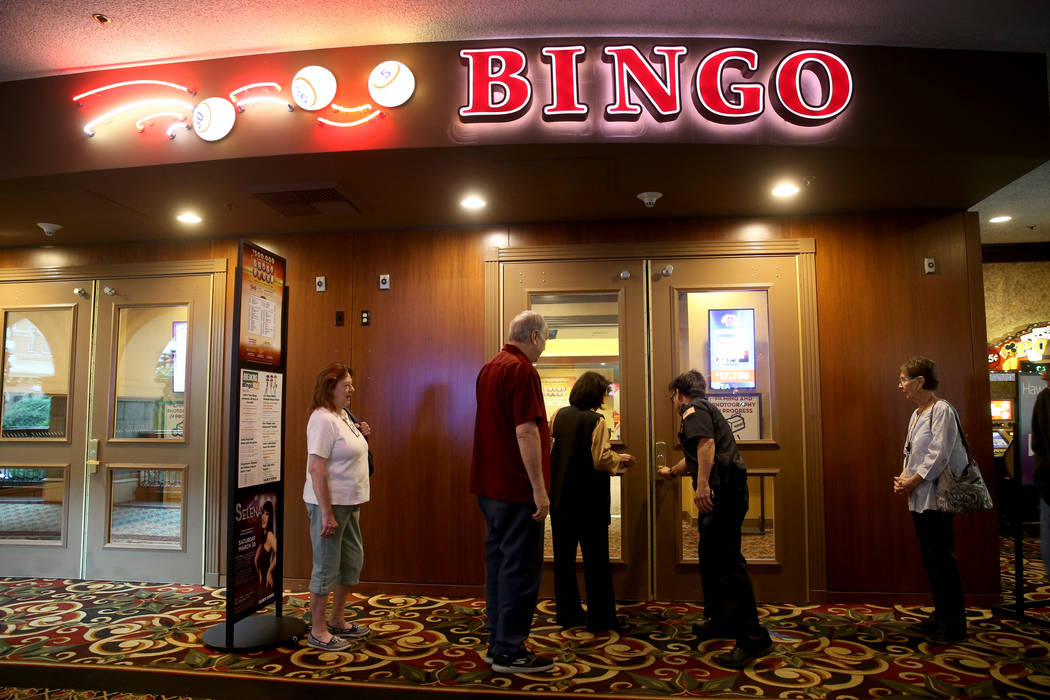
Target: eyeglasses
<point x="901" y="380"/>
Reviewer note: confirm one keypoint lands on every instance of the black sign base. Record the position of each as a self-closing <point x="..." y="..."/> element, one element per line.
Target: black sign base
<point x="255" y="633"/>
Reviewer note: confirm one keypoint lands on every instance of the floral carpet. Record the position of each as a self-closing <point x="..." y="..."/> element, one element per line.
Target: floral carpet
<point x="414" y="643"/>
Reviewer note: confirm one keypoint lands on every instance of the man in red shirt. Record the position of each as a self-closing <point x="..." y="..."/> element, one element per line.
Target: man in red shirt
<point x="509" y="474"/>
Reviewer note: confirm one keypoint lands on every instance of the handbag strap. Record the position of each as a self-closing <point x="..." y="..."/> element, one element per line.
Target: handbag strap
<point x="353" y="419"/>
<point x="958" y="424"/>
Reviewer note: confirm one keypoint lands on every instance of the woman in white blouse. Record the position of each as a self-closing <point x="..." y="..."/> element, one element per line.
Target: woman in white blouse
<point x="933" y="445"/>
<point x="336" y="486"/>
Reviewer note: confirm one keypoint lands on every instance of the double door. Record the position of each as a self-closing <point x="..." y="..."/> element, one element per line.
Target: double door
<point x="640" y="322"/>
<point x="104" y="440"/>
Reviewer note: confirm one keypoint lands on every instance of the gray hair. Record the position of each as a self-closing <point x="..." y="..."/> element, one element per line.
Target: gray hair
<point x="524" y="324"/>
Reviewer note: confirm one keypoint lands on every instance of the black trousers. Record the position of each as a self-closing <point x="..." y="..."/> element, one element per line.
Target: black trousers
<point x="729" y="597"/>
<point x="571" y="526"/>
<point x="937" y="544"/>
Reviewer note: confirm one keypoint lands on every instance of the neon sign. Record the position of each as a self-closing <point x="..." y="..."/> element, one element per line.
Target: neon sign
<point x="500" y="90"/>
<point x="391" y="84"/>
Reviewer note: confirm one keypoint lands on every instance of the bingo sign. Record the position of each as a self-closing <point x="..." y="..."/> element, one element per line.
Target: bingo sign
<point x="731" y="341"/>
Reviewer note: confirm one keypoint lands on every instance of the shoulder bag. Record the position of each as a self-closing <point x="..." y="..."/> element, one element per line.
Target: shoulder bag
<point x="965" y="492"/>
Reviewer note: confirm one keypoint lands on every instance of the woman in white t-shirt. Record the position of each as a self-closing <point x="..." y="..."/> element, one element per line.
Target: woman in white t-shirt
<point x="336" y="486"/>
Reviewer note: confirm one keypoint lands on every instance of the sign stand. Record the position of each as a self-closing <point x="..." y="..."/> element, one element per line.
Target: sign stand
<point x="255" y="483"/>
<point x="1017" y="609"/>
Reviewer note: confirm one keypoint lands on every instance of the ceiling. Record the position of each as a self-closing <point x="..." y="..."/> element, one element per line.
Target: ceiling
<point x="53" y="37"/>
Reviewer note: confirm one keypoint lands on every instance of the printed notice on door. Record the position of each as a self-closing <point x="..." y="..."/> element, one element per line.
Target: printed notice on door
<point x="743" y="412"/>
<point x="262" y="297"/>
<point x="259" y="452"/>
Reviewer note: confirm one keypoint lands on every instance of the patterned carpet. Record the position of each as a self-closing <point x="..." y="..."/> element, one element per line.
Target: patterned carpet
<point x="140" y="638"/>
<point x="822" y="651"/>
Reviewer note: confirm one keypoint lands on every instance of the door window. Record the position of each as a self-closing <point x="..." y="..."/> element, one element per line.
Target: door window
<point x="758" y="539"/>
<point x="36" y="378"/>
<point x="584" y="336"/>
<point x="32" y="505"/>
<point x="725" y="335"/>
<point x="146" y="507"/>
<point x="150" y="395"/>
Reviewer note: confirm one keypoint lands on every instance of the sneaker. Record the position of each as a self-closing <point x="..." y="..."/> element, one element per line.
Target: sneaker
<point x="522" y="662"/>
<point x="333" y="644"/>
<point x="352" y="632"/>
<point x="489" y="655"/>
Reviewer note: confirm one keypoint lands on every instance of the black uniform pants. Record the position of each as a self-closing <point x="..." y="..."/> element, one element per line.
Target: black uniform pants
<point x="729" y="597"/>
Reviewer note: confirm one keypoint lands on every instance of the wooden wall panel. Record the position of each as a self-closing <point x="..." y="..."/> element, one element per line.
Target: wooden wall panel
<point x="415" y="368"/>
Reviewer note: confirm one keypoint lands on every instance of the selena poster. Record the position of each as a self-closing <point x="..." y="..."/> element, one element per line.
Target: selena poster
<point x="255" y="561"/>
<point x="262" y="298"/>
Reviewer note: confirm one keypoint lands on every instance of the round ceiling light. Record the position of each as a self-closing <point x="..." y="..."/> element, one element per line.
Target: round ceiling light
<point x="785" y="189"/>
<point x="188" y="217"/>
<point x="391" y="83"/>
<point x="472" y="202"/>
<point x="999" y="219"/>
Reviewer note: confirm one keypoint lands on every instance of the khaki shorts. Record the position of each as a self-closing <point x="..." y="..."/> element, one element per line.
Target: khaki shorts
<point x="336" y="559"/>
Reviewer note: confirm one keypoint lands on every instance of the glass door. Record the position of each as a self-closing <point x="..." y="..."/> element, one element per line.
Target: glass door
<point x="596" y="315"/>
<point x="737" y="321"/>
<point x="148" y="430"/>
<point x="46" y="333"/>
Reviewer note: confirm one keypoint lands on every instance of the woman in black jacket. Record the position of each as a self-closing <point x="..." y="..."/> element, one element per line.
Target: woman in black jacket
<point x="581" y="465"/>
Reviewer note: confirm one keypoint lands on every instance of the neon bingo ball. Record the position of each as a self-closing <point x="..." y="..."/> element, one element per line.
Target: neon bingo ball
<point x="391" y="83"/>
<point x="313" y="88"/>
<point x="213" y="118"/>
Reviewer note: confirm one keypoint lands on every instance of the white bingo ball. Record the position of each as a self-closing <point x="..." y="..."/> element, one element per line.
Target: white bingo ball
<point x="391" y="84"/>
<point x="313" y="88"/>
<point x="213" y="118"/>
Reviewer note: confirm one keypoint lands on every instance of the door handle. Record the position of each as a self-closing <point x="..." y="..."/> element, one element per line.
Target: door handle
<point x="91" y="460"/>
<point x="659" y="458"/>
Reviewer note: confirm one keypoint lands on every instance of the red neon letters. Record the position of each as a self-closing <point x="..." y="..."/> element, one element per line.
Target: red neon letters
<point x="498" y="87"/>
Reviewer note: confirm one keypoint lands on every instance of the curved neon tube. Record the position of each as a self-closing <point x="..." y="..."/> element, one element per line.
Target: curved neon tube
<point x="112" y="86"/>
<point x="359" y="108"/>
<point x="370" y="117"/>
<point x="252" y="86"/>
<point x="89" y="128"/>
<point x="171" y="129"/>
<point x="141" y="123"/>
<point x="265" y="99"/>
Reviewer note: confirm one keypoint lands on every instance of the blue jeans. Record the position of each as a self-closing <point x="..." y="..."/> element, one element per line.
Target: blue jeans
<point x="513" y="567"/>
<point x="1044" y="534"/>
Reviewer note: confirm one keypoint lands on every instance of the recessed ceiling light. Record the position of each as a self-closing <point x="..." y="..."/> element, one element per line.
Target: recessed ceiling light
<point x="472" y="202"/>
<point x="999" y="219"/>
<point x="188" y="218"/>
<point x="785" y="189"/>
<point x="101" y="18"/>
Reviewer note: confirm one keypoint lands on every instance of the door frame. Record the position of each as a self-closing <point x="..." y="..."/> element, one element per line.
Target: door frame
<point x="217" y="391"/>
<point x="804" y="249"/>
